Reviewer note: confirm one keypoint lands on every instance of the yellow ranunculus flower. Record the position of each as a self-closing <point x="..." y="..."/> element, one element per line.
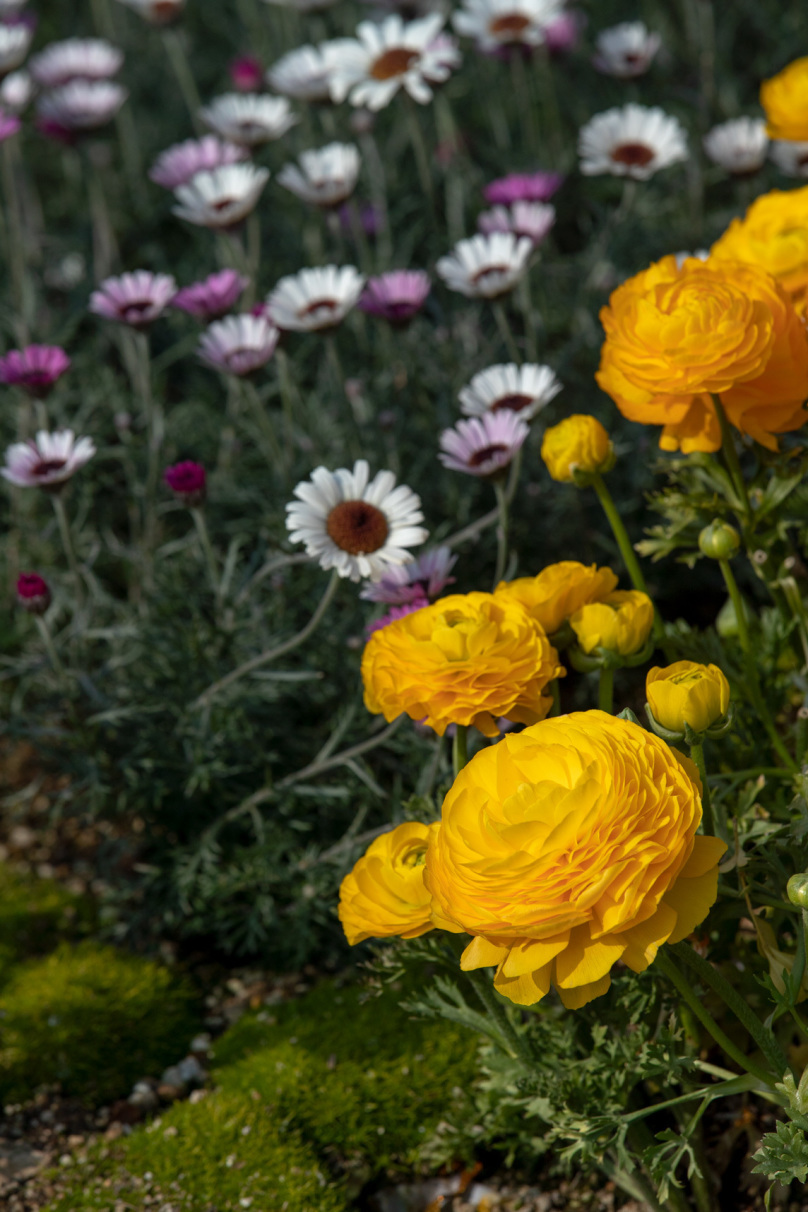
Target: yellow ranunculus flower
<point x="621" y="623"/>
<point x="567" y="847"/>
<point x="385" y="895"/>
<point x="558" y="591"/>
<point x="773" y="234"/>
<point x="675" y="335"/>
<point x="466" y="659"/>
<point x="687" y="693"/>
<point x="785" y="102"/>
<point x="578" y="443"/>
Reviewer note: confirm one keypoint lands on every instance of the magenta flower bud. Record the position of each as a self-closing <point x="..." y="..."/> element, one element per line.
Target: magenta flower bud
<point x="187" y="481"/>
<point x="35" y="369"/>
<point x="523" y="187"/>
<point x="33" y="593"/>
<point x="396" y="296"/>
<point x="564" y="33"/>
<point x="212" y="298"/>
<point x="247" y="74"/>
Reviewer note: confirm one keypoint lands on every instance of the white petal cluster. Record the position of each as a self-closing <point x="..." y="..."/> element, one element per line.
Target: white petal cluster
<point x="626" y="50"/>
<point x="524" y="390"/>
<point x="739" y="146"/>
<point x="790" y="158"/>
<point x="75" y="59"/>
<point x="394" y="54"/>
<point x="249" y="119"/>
<point x="48" y="461"/>
<point x="631" y="141"/>
<point x="221" y="198"/>
<point x="326" y="176"/>
<point x="315" y="299"/>
<point x="305" y="73"/>
<point x="485" y="267"/>
<point x="497" y="23"/>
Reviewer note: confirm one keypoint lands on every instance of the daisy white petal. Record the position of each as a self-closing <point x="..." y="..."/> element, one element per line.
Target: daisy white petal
<point x="48" y="461"/>
<point x="626" y="50"/>
<point x="325" y="177"/>
<point x="483" y="446"/>
<point x="249" y="119"/>
<point x="315" y="299"/>
<point x="494" y="24"/>
<point x="221" y="198"/>
<point x="524" y="390"/>
<point x="632" y="141"/>
<point x="739" y="146"/>
<point x="485" y="267"/>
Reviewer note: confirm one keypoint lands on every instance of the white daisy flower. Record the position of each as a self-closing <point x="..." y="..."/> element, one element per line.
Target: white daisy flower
<point x="790" y="158"/>
<point x="75" y="59"/>
<point x="531" y="219"/>
<point x="48" y="461"/>
<point x="500" y="23"/>
<point x="305" y="73"/>
<point x="16" y="92"/>
<point x="485" y="267"/>
<point x="739" y="146"/>
<point x="157" y="12"/>
<point x="222" y="197"/>
<point x="525" y="390"/>
<point x="631" y="141"/>
<point x="14" y="43"/>
<point x="325" y="177"/>
<point x="392" y="55"/>
<point x="360" y="528"/>
<point x="249" y="119"/>
<point x="82" y="104"/>
<point x="483" y="446"/>
<point x="626" y="50"/>
<point x="315" y="299"/>
<point x="238" y="345"/>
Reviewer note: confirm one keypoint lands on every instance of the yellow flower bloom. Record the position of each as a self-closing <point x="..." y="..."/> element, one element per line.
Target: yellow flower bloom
<point x="621" y="623"/>
<point x="785" y="102"/>
<point x="568" y="847"/>
<point x="676" y="334"/>
<point x="385" y="894"/>
<point x="687" y="693"/>
<point x="578" y="443"/>
<point x="466" y="659"/>
<point x="558" y="591"/>
<point x="773" y="234"/>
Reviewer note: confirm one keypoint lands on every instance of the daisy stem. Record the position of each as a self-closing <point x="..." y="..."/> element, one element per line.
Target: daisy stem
<point x="524" y="101"/>
<point x="172" y="41"/>
<point x="420" y="153"/>
<point x="527" y="312"/>
<point x="446" y="131"/>
<point x="272" y="449"/>
<point x="287" y="389"/>
<point x="606" y="690"/>
<point x="102" y="20"/>
<point x="50" y="647"/>
<point x="502" y="531"/>
<point x="201" y="525"/>
<point x="358" y="233"/>
<point x="67" y="542"/>
<point x="460" y="742"/>
<point x="105" y="249"/>
<point x="155" y="430"/>
<point x="707" y="820"/>
<point x="271" y="654"/>
<point x="553" y="133"/>
<point x="733" y="463"/>
<point x="15" y="245"/>
<point x="378" y="194"/>
<point x="555" y="691"/>
<point x="505" y="331"/>
<point x="253" y="258"/>
<point x="753" y="680"/>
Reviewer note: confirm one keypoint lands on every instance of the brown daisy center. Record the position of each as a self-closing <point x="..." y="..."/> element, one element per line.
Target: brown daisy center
<point x="47" y="466"/>
<point x="512" y="403"/>
<point x="509" y="23"/>
<point x="633" y="154"/>
<point x="488" y="452"/>
<point x="164" y="11"/>
<point x="357" y="527"/>
<point x="393" y="62"/>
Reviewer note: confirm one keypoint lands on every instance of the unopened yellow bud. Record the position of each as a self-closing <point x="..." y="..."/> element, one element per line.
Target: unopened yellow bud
<point x="578" y="444"/>
<point x="687" y="693"/>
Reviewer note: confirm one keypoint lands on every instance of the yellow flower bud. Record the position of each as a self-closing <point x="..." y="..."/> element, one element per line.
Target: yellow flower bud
<point x="579" y="443"/>
<point x="687" y="693"/>
<point x="621" y="623"/>
<point x="385" y="896"/>
<point x="719" y="540"/>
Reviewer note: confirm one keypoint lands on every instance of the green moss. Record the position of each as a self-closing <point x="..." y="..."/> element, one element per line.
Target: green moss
<point x="331" y="1089"/>
<point x="91" y="1018"/>
<point x="212" y="1153"/>
<point x="35" y="915"/>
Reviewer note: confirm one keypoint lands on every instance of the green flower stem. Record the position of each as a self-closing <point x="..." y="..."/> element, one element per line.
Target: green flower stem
<point x="526" y="303"/>
<point x="209" y="554"/>
<point x="764" y="1039"/>
<point x="15" y="244"/>
<point x="606" y="689"/>
<point x="505" y="331"/>
<point x="460" y="753"/>
<point x="50" y="648"/>
<point x="289" y="398"/>
<point x="489" y="997"/>
<point x="733" y="464"/>
<point x="502" y="530"/>
<point x="751" y="666"/>
<point x="524" y="101"/>
<point x="421" y="154"/>
<point x="269" y="439"/>
<point x="620" y="533"/>
<point x="272" y="654"/>
<point x="707" y="820"/>
<point x="378" y="193"/>
<point x="669" y="969"/>
<point x="172" y="41"/>
<point x="555" y="691"/>
<point x="67" y="543"/>
<point x="253" y="258"/>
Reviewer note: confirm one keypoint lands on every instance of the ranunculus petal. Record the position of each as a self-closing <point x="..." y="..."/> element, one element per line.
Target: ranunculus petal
<point x="573" y="999"/>
<point x="525" y="990"/>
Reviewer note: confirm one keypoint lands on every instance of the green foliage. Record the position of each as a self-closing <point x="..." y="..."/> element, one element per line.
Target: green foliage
<point x="93" y="1019"/>
<point x="783" y="1154"/>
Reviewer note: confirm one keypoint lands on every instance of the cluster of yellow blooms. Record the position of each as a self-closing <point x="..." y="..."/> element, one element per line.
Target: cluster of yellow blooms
<point x="573" y="844"/>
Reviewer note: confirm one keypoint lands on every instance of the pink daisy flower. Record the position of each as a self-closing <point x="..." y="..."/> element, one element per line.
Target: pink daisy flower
<point x="135" y="299"/>
<point x="35" y="369"/>
<point x="483" y="446"/>
<point x="213" y="297"/>
<point x="523" y="187"/>
<point x="182" y="161"/>
<point x="238" y="345"/>
<point x="47" y="462"/>
<point x="531" y="219"/>
<point x="396" y="612"/>
<point x="424" y="578"/>
<point x="396" y="296"/>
